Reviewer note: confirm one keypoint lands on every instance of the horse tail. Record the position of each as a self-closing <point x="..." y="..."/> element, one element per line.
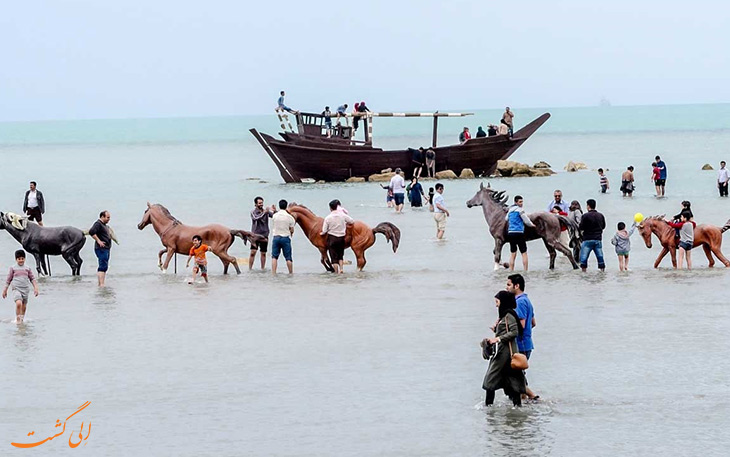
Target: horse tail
<point x="245" y="236"/>
<point x="391" y="233"/>
<point x="571" y="226"/>
<point x="725" y="227"/>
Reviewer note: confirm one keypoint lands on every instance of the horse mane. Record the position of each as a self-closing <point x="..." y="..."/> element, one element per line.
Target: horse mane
<point x="500" y="198"/>
<point x="166" y="213"/>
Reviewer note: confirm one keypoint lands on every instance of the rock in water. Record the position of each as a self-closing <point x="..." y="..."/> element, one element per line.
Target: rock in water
<point x="707" y="166"/>
<point x="541" y="164"/>
<point x="446" y="174"/>
<point x="355" y="179"/>
<point x="505" y="167"/>
<point x="381" y="177"/>
<point x="467" y="173"/>
<point x="541" y="172"/>
<point x="387" y="170"/>
<point x="575" y="166"/>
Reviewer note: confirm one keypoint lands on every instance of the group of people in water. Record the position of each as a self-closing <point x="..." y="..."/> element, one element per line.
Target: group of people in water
<point x="505" y="127"/>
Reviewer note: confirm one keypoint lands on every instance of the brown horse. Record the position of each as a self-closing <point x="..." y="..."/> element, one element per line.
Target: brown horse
<point x="178" y="237"/>
<point x="709" y="236"/>
<point x="359" y="236"/>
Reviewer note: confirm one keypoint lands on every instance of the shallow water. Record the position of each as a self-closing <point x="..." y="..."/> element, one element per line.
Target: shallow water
<point x="380" y="362"/>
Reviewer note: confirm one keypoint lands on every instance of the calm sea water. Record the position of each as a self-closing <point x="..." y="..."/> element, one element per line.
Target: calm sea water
<point x="383" y="362"/>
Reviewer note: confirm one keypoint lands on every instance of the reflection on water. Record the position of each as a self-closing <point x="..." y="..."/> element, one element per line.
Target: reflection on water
<point x="518" y="431"/>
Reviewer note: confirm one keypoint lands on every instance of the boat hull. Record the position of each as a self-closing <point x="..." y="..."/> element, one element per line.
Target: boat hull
<point x="301" y="157"/>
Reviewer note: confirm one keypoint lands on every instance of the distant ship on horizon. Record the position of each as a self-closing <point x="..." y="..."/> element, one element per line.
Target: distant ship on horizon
<point x="604" y="102"/>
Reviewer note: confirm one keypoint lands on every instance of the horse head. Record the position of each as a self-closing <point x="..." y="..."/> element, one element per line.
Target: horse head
<point x="648" y="226"/>
<point x="146" y="219"/>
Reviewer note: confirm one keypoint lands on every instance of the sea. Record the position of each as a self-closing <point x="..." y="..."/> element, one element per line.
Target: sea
<point x="380" y="362"/>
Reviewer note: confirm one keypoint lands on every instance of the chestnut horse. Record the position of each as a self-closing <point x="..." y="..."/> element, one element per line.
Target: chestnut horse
<point x="178" y="237"/>
<point x="359" y="236"/>
<point x="709" y="236"/>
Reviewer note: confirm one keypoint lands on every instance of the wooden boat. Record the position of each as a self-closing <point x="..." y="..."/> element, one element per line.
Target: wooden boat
<point x="310" y="153"/>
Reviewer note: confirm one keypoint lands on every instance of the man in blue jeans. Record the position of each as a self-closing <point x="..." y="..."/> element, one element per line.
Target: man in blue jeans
<point x="102" y="248"/>
<point x="282" y="232"/>
<point x="592" y="225"/>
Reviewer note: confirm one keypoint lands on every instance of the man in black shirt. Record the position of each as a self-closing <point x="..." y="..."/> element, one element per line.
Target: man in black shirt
<point x="592" y="225"/>
<point x="102" y="248"/>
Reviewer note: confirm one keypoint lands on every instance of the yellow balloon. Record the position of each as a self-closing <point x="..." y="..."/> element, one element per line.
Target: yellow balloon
<point x="638" y="217"/>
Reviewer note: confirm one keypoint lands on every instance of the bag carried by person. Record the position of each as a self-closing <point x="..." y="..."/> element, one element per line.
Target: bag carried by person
<point x="518" y="361"/>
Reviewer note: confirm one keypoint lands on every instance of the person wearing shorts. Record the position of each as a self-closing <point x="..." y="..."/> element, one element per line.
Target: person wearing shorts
<point x="20" y="278"/>
<point x="516" y="222"/>
<point x="260" y="226"/>
<point x="335" y="228"/>
<point x="34" y="205"/>
<point x="440" y="213"/>
<point x="282" y="230"/>
<point x="201" y="263"/>
<point x="102" y="248"/>
<point x="398" y="185"/>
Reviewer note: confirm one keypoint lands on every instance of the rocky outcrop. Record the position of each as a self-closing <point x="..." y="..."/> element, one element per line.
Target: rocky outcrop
<point x="387" y="170"/>
<point x="575" y="166"/>
<point x="446" y="174"/>
<point x="707" y="166"/>
<point x="510" y="168"/>
<point x="467" y="173"/>
<point x="355" y="179"/>
<point x="381" y="177"/>
<point x="541" y="164"/>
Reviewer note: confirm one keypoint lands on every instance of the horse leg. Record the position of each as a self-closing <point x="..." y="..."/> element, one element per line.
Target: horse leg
<point x="69" y="258"/>
<point x="79" y="261"/>
<point x="551" y="251"/>
<point x="673" y="253"/>
<point x="326" y="261"/>
<point x="498" y="243"/>
<point x="38" y="263"/>
<point x="566" y="252"/>
<point x="159" y="258"/>
<point x="661" y="256"/>
<point x="708" y="253"/>
<point x="170" y="253"/>
<point x="227" y="260"/>
<point x="718" y="253"/>
<point x="360" y="256"/>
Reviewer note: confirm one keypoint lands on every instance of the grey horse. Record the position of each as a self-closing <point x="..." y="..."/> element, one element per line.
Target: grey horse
<point x="42" y="241"/>
<point x="547" y="226"/>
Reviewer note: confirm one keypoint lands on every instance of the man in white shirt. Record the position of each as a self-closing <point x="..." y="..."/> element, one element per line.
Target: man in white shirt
<point x="282" y="230"/>
<point x="398" y="186"/>
<point x="723" y="176"/>
<point x="335" y="228"/>
<point x="440" y="213"/>
<point x="34" y="205"/>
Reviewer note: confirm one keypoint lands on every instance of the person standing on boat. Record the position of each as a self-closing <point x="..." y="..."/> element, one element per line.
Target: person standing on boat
<point x="431" y="162"/>
<point x="327" y="120"/>
<point x="417" y="161"/>
<point x="282" y="105"/>
<point x="480" y="132"/>
<point x="508" y="118"/>
<point x="342" y="112"/>
<point x="361" y="108"/>
<point x="503" y="128"/>
<point x="398" y="184"/>
<point x="464" y="136"/>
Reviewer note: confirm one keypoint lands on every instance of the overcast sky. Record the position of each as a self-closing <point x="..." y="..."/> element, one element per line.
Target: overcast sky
<point x="69" y="59"/>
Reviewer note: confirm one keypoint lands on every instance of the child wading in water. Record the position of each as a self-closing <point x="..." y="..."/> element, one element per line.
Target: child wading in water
<point x="20" y="278"/>
<point x="622" y="241"/>
<point x="201" y="264"/>
<point x="603" y="180"/>
<point x="686" y="237"/>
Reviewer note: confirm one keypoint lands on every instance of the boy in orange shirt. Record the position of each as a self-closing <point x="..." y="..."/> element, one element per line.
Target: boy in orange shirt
<point x="201" y="264"/>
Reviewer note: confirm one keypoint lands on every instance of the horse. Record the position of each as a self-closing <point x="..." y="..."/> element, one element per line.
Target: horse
<point x="177" y="238"/>
<point x="709" y="236"/>
<point x="42" y="241"/>
<point x="359" y="236"/>
<point x="547" y="228"/>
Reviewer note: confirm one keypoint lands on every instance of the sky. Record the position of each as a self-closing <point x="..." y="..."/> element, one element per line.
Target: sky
<point x="83" y="59"/>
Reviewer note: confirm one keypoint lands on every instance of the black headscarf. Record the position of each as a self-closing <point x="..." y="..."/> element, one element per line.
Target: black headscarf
<point x="507" y="305"/>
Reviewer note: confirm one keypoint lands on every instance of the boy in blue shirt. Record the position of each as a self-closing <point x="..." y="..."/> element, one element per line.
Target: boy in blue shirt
<point x="526" y="313"/>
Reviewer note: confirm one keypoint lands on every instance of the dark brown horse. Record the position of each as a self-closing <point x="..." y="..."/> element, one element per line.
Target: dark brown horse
<point x="178" y="237"/>
<point x="547" y="226"/>
<point x="359" y="236"/>
<point x="708" y="236"/>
